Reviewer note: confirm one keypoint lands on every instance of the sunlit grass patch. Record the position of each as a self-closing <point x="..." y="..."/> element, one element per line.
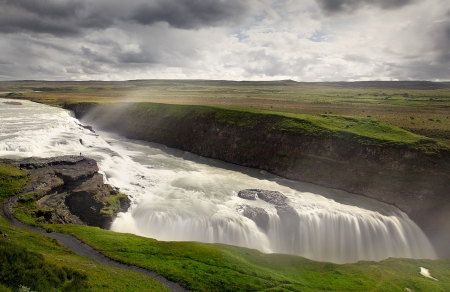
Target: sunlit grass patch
<point x="205" y="267"/>
<point x="12" y="180"/>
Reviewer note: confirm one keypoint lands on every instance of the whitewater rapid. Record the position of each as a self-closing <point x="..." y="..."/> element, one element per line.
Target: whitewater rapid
<point x="178" y="196"/>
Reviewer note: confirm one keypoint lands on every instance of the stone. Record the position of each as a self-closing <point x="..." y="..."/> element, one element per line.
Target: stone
<point x="273" y="197"/>
<point x="286" y="212"/>
<point x="247" y="194"/>
<point x="259" y="215"/>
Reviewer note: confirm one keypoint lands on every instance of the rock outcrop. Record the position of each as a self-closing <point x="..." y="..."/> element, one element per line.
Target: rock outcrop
<point x="259" y="215"/>
<point x="287" y="213"/>
<point x="273" y="197"/>
<point x="69" y="189"/>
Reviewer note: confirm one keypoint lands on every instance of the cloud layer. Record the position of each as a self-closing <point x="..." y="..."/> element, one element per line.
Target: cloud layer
<point x="310" y="40"/>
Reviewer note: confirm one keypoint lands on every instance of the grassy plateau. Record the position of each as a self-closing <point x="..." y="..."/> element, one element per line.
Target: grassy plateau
<point x="420" y="107"/>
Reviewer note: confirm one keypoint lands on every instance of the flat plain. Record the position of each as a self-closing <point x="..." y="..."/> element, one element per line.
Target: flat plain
<point x="421" y="107"/>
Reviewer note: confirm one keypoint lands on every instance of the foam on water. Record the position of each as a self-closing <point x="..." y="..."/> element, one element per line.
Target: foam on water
<point x="177" y="196"/>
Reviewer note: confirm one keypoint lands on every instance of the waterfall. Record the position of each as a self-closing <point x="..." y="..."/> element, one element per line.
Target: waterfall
<point x="178" y="196"/>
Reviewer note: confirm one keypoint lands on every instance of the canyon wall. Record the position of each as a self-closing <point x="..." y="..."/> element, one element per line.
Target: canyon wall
<point x="415" y="181"/>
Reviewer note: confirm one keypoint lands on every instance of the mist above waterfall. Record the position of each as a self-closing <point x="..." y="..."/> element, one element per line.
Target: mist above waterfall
<point x="178" y="196"/>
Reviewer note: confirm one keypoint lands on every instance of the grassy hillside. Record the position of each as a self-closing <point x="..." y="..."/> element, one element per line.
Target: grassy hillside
<point x="216" y="267"/>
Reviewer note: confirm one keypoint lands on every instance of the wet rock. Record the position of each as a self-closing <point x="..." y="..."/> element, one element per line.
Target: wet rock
<point x="259" y="215"/>
<point x="289" y="220"/>
<point x="286" y="212"/>
<point x="273" y="197"/>
<point x="247" y="194"/>
<point x="88" y="127"/>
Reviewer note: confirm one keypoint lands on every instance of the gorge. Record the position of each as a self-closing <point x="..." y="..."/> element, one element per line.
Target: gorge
<point x="414" y="179"/>
<point x="179" y="196"/>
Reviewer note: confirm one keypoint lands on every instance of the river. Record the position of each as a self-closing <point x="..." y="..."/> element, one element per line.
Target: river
<point x="178" y="196"/>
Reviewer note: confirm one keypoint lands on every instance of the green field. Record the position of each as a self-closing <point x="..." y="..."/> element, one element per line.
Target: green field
<point x="419" y="107"/>
<point x="197" y="266"/>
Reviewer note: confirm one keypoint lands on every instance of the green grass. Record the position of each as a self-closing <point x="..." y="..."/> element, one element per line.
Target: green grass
<point x="42" y="264"/>
<point x="18" y="266"/>
<point x="113" y="204"/>
<point x="366" y="131"/>
<point x="12" y="180"/>
<point x="227" y="268"/>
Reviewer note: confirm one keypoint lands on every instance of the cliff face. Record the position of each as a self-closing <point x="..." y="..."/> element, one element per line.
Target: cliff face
<point x="69" y="189"/>
<point x="416" y="182"/>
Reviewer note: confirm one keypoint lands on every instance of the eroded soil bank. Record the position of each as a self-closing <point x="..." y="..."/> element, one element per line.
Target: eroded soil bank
<point x="414" y="180"/>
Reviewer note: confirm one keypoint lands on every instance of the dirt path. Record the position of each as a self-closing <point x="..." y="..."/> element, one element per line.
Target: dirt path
<point x="81" y="248"/>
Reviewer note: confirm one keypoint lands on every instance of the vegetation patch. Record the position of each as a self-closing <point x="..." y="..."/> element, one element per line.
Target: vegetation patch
<point x="19" y="267"/>
<point x="206" y="267"/>
<point x="361" y="130"/>
<point x="12" y="180"/>
<point x="113" y="204"/>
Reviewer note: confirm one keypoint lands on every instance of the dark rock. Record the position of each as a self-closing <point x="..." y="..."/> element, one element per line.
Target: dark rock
<point x="247" y="194"/>
<point x="88" y="127"/>
<point x="259" y="215"/>
<point x="289" y="221"/>
<point x="273" y="197"/>
<point x="286" y="212"/>
<point x="69" y="189"/>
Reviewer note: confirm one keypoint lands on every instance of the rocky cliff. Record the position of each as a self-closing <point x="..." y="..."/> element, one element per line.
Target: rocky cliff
<point x="414" y="180"/>
<point x="69" y="189"/>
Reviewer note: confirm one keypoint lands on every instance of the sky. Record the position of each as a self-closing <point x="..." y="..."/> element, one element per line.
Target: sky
<point x="302" y="40"/>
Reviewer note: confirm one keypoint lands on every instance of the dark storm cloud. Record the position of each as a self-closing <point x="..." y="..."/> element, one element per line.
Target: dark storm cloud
<point x="188" y="14"/>
<point x="336" y="6"/>
<point x="68" y="18"/>
<point x="56" y="17"/>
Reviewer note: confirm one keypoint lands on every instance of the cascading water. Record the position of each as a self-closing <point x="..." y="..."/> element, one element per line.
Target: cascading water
<point x="178" y="196"/>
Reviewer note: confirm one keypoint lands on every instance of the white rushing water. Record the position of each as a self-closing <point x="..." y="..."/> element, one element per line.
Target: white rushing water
<point x="177" y="196"/>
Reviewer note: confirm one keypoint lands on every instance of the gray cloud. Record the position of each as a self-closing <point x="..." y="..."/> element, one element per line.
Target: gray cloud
<point x="74" y="17"/>
<point x="59" y="18"/>
<point x="336" y="6"/>
<point x="189" y="14"/>
<point x="220" y="39"/>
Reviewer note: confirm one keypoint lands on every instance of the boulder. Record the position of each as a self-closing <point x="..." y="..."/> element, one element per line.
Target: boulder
<point x="286" y="212"/>
<point x="273" y="197"/>
<point x="247" y="194"/>
<point x="259" y="215"/>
